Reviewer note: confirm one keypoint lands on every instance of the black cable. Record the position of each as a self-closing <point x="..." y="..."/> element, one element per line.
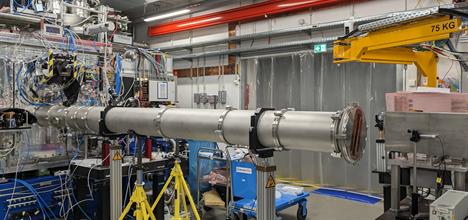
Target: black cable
<point x="450" y="11"/>
<point x="450" y="68"/>
<point x="452" y="48"/>
<point x="442" y="146"/>
<point x="350" y="34"/>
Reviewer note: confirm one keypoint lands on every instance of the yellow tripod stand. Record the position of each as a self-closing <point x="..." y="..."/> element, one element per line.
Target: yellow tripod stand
<point x="143" y="210"/>
<point x="181" y="190"/>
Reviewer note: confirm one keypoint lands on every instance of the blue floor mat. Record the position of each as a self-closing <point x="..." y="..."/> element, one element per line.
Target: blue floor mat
<point x="342" y="194"/>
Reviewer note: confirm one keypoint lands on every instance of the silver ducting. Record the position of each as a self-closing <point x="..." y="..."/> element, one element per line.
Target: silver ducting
<point x="342" y="133"/>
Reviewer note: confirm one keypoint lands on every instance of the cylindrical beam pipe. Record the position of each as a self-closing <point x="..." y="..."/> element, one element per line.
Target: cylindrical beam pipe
<point x="342" y="132"/>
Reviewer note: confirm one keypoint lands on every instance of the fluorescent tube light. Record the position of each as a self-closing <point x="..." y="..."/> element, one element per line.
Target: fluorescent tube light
<point x="167" y="15"/>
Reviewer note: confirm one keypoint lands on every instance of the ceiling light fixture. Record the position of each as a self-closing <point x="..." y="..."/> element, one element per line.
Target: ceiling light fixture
<point x="151" y="1"/>
<point x="167" y="15"/>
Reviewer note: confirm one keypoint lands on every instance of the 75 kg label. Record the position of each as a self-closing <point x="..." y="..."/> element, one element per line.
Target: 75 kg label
<point x="443" y="27"/>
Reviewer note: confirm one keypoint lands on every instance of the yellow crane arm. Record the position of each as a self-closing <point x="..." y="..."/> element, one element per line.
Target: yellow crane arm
<point x="394" y="45"/>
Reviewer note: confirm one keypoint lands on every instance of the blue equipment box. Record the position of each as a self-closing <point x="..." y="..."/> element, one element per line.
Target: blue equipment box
<point x="46" y="198"/>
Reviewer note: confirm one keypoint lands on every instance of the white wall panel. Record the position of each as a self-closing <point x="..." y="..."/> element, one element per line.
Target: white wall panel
<point x="186" y="87"/>
<point x="262" y="26"/>
<point x="182" y="64"/>
<point x="162" y="41"/>
<point x="181" y="38"/>
<point x="290" y="21"/>
<point x="332" y="14"/>
<point x="210" y="33"/>
<point x="378" y="7"/>
<point x="413" y="4"/>
<point x="246" y="28"/>
<point x="289" y="38"/>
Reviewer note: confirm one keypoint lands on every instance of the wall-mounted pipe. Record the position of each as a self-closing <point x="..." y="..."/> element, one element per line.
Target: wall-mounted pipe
<point x="342" y="132"/>
<point x="255" y="49"/>
<point x="307" y="28"/>
<point x="58" y="42"/>
<point x="16" y="19"/>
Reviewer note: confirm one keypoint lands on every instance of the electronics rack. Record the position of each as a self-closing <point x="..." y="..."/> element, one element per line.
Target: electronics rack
<point x="24" y="204"/>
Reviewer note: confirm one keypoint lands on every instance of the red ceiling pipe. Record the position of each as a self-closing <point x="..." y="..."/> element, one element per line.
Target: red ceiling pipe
<point x="245" y="13"/>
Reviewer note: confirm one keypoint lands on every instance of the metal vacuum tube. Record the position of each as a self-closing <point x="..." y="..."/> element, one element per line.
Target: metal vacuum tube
<point x="342" y="133"/>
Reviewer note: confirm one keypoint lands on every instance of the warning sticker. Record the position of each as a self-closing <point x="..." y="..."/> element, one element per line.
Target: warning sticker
<point x="244" y="170"/>
<point x="270" y="182"/>
<point x="117" y="156"/>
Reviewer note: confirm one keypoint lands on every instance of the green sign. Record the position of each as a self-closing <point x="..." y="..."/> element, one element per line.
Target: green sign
<point x="320" y="48"/>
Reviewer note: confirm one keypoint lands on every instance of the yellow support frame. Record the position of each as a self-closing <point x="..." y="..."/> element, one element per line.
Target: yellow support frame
<point x="143" y="209"/>
<point x="393" y="45"/>
<point x="181" y="191"/>
<point x="145" y="212"/>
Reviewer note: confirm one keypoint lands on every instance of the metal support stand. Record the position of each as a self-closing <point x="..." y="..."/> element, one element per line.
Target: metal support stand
<point x="415" y="138"/>
<point x="380" y="145"/>
<point x="460" y="181"/>
<point x="159" y="179"/>
<point x="181" y="191"/>
<point x="143" y="209"/>
<point x="266" y="209"/>
<point x="265" y="189"/>
<point x="414" y="193"/>
<point x="395" y="188"/>
<point x="116" y="181"/>
<point x="85" y="146"/>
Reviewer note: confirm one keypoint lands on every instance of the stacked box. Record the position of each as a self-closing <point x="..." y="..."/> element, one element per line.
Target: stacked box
<point x="426" y="102"/>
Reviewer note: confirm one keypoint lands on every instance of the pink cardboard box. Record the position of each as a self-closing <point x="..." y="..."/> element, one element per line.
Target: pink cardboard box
<point x="426" y="102"/>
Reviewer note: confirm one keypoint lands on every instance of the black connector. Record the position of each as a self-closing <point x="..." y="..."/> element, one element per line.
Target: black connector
<point x="415" y="136"/>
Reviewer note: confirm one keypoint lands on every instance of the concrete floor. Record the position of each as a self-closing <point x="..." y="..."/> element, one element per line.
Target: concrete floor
<point x="323" y="208"/>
